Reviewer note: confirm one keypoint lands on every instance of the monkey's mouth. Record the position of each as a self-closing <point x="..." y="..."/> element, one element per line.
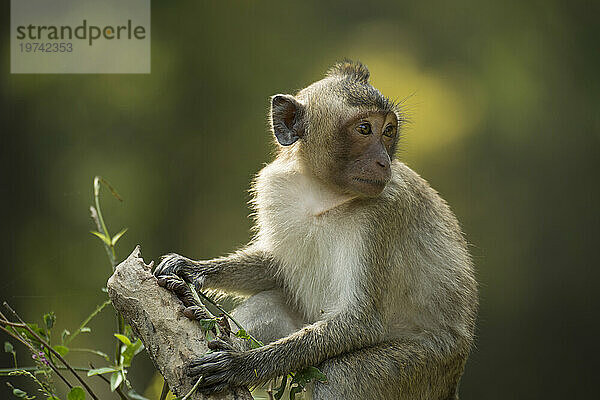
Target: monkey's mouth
<point x="373" y="182"/>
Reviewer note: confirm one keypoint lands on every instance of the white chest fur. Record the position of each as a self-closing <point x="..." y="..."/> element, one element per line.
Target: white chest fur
<point x="318" y="247"/>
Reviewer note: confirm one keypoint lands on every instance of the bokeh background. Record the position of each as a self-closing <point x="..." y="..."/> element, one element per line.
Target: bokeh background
<point x="503" y="99"/>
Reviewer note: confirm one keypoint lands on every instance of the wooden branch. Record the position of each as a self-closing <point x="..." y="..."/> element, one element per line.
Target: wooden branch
<point x="156" y="317"/>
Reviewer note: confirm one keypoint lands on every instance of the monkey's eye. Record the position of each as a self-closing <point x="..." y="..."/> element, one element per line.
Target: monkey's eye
<point x="364" y="128"/>
<point x="389" y="131"/>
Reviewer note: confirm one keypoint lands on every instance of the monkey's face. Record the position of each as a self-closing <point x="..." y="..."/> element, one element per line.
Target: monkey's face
<point x="362" y="162"/>
<point x="352" y="151"/>
<point x="341" y="128"/>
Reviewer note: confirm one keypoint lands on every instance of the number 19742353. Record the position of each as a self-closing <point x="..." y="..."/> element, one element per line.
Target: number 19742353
<point x="40" y="47"/>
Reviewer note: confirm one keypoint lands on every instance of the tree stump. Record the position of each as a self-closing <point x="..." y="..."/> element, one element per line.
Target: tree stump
<point x="156" y="317"/>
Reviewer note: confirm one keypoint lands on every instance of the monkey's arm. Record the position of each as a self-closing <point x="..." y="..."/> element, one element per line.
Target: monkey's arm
<point x="413" y="359"/>
<point x="310" y="346"/>
<point x="247" y="271"/>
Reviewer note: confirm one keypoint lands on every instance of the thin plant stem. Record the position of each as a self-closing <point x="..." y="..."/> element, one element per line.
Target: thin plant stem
<point x="199" y="294"/>
<point x="34" y="351"/>
<point x="119" y="391"/>
<point x="165" y="390"/>
<point x="86" y="321"/>
<point x="90" y="351"/>
<point x="35" y="379"/>
<point x="56" y="354"/>
<point x="199" y="302"/>
<point x="96" y="218"/>
<point x="96" y="214"/>
<point x="99" y="220"/>
<point x="37" y="370"/>
<point x="193" y="390"/>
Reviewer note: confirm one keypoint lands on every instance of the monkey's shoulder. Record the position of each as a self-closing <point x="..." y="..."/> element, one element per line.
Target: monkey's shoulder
<point x="414" y="201"/>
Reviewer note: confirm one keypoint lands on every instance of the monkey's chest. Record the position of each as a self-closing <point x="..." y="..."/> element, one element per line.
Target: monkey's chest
<point x="320" y="260"/>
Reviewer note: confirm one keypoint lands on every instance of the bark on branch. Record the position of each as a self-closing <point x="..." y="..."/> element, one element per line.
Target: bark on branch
<point x="156" y="317"/>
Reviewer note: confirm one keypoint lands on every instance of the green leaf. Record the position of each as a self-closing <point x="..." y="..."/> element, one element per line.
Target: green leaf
<point x="115" y="380"/>
<point x="64" y="335"/>
<point x="309" y="374"/>
<point x="116" y="238"/>
<point x="8" y="347"/>
<point x="100" y="371"/>
<point x="49" y="320"/>
<point x="85" y="329"/>
<point x="20" y="394"/>
<point x="242" y="334"/>
<point x="254" y="344"/>
<point x="62" y="350"/>
<point x="130" y="351"/>
<point x="52" y="398"/>
<point x="128" y="331"/>
<point x="207" y="324"/>
<point x="102" y="237"/>
<point x="123" y="339"/>
<point x="76" y="393"/>
<point x="96" y="352"/>
<point x="34" y="327"/>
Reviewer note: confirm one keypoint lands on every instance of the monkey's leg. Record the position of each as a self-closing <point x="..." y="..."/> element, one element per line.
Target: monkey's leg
<point x="267" y="316"/>
<point x="384" y="372"/>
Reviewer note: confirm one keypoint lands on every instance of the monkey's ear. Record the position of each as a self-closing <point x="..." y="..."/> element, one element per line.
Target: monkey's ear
<point x="287" y="115"/>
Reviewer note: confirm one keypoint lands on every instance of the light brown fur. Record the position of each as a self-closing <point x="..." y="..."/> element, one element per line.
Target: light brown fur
<point x="378" y="291"/>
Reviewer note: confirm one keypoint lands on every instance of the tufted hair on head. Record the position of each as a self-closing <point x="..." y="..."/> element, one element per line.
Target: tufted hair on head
<point x="354" y="70"/>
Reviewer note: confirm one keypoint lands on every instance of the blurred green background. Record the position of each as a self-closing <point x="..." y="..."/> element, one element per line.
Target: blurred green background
<point x="503" y="100"/>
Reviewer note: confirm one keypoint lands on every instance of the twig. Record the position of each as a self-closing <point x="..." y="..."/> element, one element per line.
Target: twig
<point x="87" y="320"/>
<point x="197" y="300"/>
<point x="56" y="354"/>
<point x="211" y="301"/>
<point x="191" y="392"/>
<point x="34" y="351"/>
<point x="36" y="369"/>
<point x="122" y="395"/>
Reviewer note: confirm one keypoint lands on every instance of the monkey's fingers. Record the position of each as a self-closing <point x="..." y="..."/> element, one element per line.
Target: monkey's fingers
<point x="179" y="287"/>
<point x="220" y="345"/>
<point x="195" y="313"/>
<point x="211" y="363"/>
<point x="225" y="327"/>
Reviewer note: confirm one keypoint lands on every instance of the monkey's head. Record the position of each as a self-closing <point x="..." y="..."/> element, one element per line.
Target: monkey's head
<point x="342" y="129"/>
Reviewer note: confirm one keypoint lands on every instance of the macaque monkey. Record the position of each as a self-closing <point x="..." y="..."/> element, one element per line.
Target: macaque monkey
<point x="357" y="265"/>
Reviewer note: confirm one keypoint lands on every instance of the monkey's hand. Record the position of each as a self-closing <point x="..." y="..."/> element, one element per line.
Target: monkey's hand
<point x="174" y="264"/>
<point x="224" y="368"/>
